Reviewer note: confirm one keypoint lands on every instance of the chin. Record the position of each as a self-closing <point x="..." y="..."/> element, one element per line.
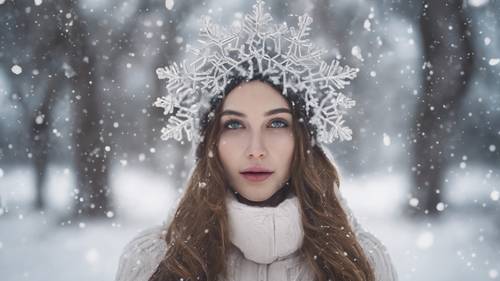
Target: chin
<point x="263" y="197"/>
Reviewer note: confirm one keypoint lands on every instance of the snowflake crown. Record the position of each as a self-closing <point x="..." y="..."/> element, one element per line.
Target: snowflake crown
<point x="285" y="55"/>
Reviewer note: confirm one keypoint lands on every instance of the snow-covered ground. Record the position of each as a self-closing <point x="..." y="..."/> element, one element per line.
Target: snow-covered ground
<point x="463" y="245"/>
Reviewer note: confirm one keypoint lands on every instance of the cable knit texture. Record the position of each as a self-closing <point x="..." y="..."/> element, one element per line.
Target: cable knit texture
<point x="265" y="245"/>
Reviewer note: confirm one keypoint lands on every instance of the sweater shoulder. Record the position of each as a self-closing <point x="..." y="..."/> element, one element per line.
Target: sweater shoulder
<point x="142" y="255"/>
<point x="376" y="252"/>
<point x="377" y="255"/>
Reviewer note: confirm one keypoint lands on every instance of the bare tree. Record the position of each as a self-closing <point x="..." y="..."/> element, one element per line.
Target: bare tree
<point x="448" y="63"/>
<point x="91" y="160"/>
<point x="36" y="89"/>
<point x="41" y="119"/>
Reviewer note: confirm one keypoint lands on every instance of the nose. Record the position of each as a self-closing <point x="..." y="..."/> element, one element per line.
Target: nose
<point x="256" y="147"/>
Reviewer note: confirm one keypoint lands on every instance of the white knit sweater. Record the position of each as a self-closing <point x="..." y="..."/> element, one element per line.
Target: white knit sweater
<point x="265" y="239"/>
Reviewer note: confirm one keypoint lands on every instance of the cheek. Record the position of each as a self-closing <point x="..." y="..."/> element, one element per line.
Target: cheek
<point x="232" y="140"/>
<point x="283" y="137"/>
<point x="228" y="150"/>
<point x="283" y="144"/>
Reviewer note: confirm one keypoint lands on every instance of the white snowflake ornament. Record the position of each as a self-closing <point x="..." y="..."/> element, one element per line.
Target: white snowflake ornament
<point x="285" y="56"/>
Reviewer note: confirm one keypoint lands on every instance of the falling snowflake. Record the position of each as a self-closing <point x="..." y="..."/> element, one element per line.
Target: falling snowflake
<point x="494" y="61"/>
<point x="16" y="69"/>
<point x="169" y="4"/>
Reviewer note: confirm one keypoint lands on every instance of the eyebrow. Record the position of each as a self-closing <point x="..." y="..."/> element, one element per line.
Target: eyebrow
<point x="270" y="112"/>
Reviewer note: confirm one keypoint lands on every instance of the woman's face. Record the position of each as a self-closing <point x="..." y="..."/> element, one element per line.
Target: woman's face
<point x="256" y="134"/>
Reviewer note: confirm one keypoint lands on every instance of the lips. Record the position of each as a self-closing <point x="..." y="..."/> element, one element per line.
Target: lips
<point x="256" y="169"/>
<point x="256" y="177"/>
<point x="256" y="173"/>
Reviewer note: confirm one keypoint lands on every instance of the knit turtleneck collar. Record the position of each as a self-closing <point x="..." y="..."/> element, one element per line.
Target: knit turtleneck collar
<point x="265" y="234"/>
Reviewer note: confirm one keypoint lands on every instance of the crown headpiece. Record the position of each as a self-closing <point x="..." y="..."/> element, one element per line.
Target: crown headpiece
<point x="285" y="55"/>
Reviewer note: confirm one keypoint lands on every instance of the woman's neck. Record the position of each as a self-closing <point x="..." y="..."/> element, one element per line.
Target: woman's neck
<point x="273" y="201"/>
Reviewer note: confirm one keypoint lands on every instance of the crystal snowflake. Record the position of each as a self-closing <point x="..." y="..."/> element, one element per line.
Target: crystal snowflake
<point x="285" y="55"/>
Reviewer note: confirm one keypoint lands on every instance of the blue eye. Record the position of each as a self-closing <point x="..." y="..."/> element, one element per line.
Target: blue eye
<point x="234" y="124"/>
<point x="228" y="124"/>
<point x="277" y="121"/>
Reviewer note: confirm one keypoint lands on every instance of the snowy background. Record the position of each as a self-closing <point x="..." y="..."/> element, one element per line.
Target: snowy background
<point x="77" y="125"/>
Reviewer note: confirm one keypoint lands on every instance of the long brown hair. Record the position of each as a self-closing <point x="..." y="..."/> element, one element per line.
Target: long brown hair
<point x="197" y="236"/>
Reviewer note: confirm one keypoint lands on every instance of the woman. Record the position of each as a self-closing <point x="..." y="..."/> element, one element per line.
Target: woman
<point x="262" y="202"/>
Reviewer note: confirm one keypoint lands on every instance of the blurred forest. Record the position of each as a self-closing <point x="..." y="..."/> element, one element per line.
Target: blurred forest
<point x="77" y="84"/>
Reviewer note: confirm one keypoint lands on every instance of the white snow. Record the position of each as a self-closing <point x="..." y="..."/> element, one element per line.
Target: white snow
<point x="495" y="195"/>
<point x="69" y="72"/>
<point x="478" y="3"/>
<point x="16" y="69"/>
<point x="413" y="202"/>
<point x="169" y="4"/>
<point x="142" y="157"/>
<point x="386" y="139"/>
<point x="56" y="133"/>
<point x="494" y="61"/>
<point x="39" y="119"/>
<point x="367" y="25"/>
<point x="440" y="206"/>
<point x="425" y="240"/>
<point x="38" y="2"/>
<point x="36" y="245"/>
<point x="460" y="246"/>
<point x="356" y="52"/>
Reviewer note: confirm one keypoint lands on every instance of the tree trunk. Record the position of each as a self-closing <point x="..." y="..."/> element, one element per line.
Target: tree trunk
<point x="447" y="54"/>
<point x="40" y="139"/>
<point x="93" y="195"/>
